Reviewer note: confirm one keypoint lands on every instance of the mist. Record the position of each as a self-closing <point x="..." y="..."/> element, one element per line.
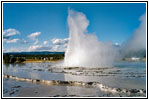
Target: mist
<point x="137" y="42"/>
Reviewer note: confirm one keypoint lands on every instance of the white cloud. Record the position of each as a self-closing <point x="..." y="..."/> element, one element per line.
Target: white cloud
<point x="57" y="41"/>
<point x="10" y="32"/>
<point x="34" y="36"/>
<point x="7" y="35"/>
<point x="11" y="41"/>
<point x="59" y="44"/>
<point x="45" y="42"/>
<point x="55" y="48"/>
<point x="39" y="48"/>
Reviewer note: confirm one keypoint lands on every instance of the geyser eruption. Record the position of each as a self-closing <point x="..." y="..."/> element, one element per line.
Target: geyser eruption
<point x="85" y="50"/>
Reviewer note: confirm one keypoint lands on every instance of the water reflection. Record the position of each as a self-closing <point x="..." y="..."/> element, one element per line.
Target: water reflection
<point x="40" y="71"/>
<point x="6" y="66"/>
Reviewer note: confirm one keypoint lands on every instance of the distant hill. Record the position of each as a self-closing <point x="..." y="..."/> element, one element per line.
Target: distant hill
<point x="140" y="53"/>
<point x="34" y="53"/>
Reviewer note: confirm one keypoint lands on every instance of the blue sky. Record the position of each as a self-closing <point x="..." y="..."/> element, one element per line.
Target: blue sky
<point x="35" y="23"/>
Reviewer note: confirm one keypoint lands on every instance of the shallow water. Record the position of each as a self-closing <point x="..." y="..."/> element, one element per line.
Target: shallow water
<point x="129" y="75"/>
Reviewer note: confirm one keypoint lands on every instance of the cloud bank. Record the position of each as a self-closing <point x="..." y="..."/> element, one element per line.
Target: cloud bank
<point x="39" y="48"/>
<point x="13" y="50"/>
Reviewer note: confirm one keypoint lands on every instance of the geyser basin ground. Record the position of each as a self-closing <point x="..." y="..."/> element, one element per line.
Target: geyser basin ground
<point x="125" y="75"/>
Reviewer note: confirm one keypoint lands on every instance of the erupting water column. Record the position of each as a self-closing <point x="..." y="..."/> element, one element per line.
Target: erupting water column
<point x="84" y="50"/>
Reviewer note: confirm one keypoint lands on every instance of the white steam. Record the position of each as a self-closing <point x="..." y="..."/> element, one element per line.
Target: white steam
<point x="84" y="50"/>
<point x="138" y="40"/>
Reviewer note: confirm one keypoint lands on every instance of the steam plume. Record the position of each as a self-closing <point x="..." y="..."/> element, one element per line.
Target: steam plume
<point x="84" y="50"/>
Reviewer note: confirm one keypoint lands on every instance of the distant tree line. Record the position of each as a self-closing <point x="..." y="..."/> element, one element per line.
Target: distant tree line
<point x="18" y="58"/>
<point x="12" y="59"/>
